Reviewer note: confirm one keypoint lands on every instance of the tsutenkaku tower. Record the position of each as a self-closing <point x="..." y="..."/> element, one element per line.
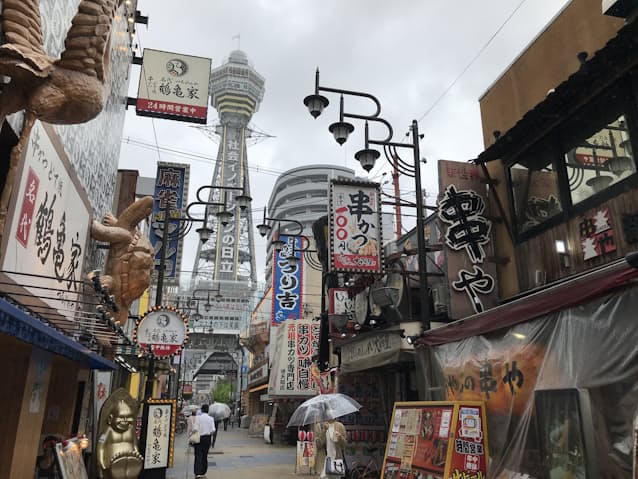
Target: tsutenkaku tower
<point x="236" y="92"/>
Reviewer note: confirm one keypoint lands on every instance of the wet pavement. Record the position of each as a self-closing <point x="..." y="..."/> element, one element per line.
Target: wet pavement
<point x="236" y="456"/>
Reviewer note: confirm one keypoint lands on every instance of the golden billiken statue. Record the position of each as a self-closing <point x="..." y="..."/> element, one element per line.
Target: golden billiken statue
<point x="117" y="454"/>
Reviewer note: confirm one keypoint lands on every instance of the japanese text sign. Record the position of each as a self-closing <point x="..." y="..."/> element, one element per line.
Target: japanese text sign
<point x="355" y="227"/>
<point x="161" y="421"/>
<point x="465" y="231"/>
<point x="298" y="342"/>
<point x="287" y="279"/>
<point x="171" y="194"/>
<point x="162" y="331"/>
<point x="597" y="235"/>
<point x="438" y="438"/>
<point x="173" y="86"/>
<point x="49" y="228"/>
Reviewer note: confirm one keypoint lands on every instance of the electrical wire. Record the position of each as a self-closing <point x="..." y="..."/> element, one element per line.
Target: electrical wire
<point x="472" y="61"/>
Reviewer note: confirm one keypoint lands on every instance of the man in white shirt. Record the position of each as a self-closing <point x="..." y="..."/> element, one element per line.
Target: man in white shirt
<point x="205" y="425"/>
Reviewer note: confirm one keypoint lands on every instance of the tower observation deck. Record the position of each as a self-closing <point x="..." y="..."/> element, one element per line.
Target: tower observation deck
<point x="229" y="256"/>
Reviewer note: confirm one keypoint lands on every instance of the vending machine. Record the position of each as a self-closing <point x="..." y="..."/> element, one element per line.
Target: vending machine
<point x="437" y="440"/>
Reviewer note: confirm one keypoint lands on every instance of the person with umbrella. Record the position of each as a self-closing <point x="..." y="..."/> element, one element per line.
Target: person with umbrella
<point x="331" y="441"/>
<point x="322" y="411"/>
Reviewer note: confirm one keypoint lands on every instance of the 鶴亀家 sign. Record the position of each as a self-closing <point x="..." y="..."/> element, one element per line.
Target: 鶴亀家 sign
<point x="162" y="331"/>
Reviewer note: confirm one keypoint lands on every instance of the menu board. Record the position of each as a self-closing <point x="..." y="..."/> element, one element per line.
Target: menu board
<point x="437" y="440"/>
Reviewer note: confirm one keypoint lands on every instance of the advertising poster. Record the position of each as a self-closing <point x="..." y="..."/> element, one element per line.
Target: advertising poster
<point x="437" y="440"/>
<point x="171" y="195"/>
<point x="286" y="281"/>
<point x="70" y="460"/>
<point x="355" y="227"/>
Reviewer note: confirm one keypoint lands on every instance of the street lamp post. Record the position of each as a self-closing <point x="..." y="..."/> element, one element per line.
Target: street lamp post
<point x="242" y="200"/>
<point x="316" y="103"/>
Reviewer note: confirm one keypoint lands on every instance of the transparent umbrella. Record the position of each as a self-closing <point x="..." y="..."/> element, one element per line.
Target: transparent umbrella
<point x="323" y="407"/>
<point x="219" y="410"/>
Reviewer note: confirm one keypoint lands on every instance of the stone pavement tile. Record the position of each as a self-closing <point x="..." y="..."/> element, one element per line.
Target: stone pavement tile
<point x="237" y="456"/>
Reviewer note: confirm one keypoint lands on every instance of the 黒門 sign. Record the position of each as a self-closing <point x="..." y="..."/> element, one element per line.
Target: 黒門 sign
<point x="173" y="86"/>
<point x="47" y="233"/>
<point x="287" y="278"/>
<point x="355" y="227"/>
<point x="171" y="194"/>
<point x="162" y="331"/>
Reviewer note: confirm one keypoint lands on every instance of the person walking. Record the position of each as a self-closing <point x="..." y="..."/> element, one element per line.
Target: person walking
<point x="205" y="425"/>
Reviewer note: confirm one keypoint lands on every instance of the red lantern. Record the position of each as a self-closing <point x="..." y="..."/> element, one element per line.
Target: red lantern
<point x="301" y="435"/>
<point x="310" y="436"/>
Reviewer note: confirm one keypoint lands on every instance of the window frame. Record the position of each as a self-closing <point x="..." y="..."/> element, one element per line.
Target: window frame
<point x="625" y="104"/>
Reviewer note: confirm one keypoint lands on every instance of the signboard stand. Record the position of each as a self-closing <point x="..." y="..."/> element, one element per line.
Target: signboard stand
<point x="158" y="454"/>
<point x="437" y="439"/>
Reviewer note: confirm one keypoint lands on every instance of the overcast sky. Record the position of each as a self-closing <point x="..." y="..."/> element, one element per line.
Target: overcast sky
<point x="429" y="60"/>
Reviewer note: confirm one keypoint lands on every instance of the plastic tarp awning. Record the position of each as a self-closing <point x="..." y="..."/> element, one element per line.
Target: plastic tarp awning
<point x="548" y="381"/>
<point x="569" y="293"/>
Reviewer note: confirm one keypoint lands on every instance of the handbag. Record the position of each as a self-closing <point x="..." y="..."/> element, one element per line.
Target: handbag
<point x="194" y="437"/>
<point x="335" y="467"/>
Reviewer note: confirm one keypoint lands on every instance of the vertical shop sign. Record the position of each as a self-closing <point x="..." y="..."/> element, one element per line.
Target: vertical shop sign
<point x="171" y="194"/>
<point x="287" y="279"/>
<point x="161" y="419"/>
<point x="48" y="230"/>
<point x="355" y="227"/>
<point x="298" y="342"/>
<point x="173" y="86"/>
<point x="466" y="234"/>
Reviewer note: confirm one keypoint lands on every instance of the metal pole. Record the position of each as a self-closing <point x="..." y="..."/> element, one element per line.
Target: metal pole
<point x="420" y="231"/>
<point x="148" y="389"/>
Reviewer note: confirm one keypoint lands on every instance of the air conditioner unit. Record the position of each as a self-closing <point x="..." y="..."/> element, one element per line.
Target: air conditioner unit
<point x="440" y="298"/>
<point x="619" y="8"/>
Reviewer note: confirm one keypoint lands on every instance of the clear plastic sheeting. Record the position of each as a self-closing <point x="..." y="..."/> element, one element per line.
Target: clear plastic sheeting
<point x="561" y="390"/>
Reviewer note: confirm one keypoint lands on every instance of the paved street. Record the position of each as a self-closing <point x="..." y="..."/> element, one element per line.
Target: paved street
<point x="238" y="455"/>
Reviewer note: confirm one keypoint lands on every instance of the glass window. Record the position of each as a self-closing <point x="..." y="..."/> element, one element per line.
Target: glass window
<point x="603" y="159"/>
<point x="534" y="188"/>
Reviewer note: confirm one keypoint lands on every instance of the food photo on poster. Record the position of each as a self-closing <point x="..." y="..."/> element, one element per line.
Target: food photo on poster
<point x="437" y="440"/>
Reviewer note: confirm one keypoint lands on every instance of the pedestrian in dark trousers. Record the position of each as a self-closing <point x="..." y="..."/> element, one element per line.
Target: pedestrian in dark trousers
<point x="214" y="437"/>
<point x="225" y="424"/>
<point x="205" y="425"/>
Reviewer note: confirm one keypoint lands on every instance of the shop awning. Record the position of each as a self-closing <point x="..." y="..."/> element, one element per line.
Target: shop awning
<point x="372" y="350"/>
<point x="21" y="325"/>
<point x="571" y="292"/>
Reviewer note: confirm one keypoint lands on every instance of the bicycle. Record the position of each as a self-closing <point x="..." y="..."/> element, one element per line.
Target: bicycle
<point x="364" y="471"/>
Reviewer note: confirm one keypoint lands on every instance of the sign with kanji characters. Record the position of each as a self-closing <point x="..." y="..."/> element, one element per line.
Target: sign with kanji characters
<point x="173" y="86"/>
<point x="466" y="234"/>
<point x="297" y="342"/>
<point x="162" y="331"/>
<point x="355" y="227"/>
<point x="47" y="234"/>
<point x="597" y="235"/>
<point x="437" y="439"/>
<point x="286" y="281"/>
<point x="171" y="194"/>
<point x="160" y="433"/>
<point x="504" y="380"/>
